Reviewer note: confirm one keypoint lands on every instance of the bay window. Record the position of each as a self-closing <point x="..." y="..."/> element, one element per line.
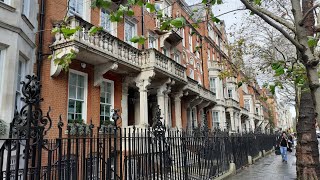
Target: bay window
<point x="20" y="77"/>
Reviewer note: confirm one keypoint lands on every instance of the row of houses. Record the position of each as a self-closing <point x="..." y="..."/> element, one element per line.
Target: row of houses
<point x="176" y="70"/>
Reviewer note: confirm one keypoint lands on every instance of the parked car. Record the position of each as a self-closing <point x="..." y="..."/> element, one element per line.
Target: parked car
<point x="318" y="134"/>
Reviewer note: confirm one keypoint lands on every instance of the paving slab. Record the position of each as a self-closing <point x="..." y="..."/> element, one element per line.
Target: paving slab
<point x="269" y="167"/>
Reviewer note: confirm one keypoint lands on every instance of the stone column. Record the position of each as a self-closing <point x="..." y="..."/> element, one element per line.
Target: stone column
<point x="161" y="101"/>
<point x="189" y="120"/>
<point x="232" y="120"/>
<point x="143" y="81"/>
<point x="247" y="125"/>
<point x="177" y="109"/>
<point x="124" y="105"/>
<point x="167" y="106"/>
<point x="252" y="124"/>
<point x="143" y="92"/>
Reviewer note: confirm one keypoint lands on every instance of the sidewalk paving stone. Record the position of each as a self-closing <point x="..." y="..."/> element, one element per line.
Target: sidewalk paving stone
<point x="270" y="167"/>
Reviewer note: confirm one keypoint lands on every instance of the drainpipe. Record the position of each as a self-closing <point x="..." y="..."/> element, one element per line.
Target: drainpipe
<point x="142" y="23"/>
<point x="40" y="39"/>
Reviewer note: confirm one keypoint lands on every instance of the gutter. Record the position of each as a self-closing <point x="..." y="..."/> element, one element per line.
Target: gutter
<point x="40" y="40"/>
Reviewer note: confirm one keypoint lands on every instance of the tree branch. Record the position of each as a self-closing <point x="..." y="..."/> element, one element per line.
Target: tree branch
<point x="267" y="20"/>
<point x="272" y="16"/>
<point x="307" y="13"/>
<point x="240" y="9"/>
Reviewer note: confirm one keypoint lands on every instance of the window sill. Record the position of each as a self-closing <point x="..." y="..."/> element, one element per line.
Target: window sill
<point x="7" y="7"/>
<point x="26" y="20"/>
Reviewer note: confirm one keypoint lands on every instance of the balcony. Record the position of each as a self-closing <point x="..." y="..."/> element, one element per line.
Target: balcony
<point x="104" y="49"/>
<point x="153" y="59"/>
<point x="195" y="89"/>
<point x="231" y="103"/>
<point x="231" y="80"/>
<point x="214" y="66"/>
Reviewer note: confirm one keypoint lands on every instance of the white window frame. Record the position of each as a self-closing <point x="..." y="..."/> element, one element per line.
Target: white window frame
<point x="191" y="73"/>
<point x="166" y="51"/>
<point x="154" y="43"/>
<point x="194" y="116"/>
<point x="8" y="2"/>
<point x="228" y="94"/>
<point x="112" y="97"/>
<point x="2" y="60"/>
<point x="134" y="31"/>
<point x="183" y="37"/>
<point x="18" y="103"/>
<point x="213" y="84"/>
<point x="247" y="102"/>
<point x="85" y="94"/>
<point x="103" y="13"/>
<point x="215" y="119"/>
<point x="190" y="42"/>
<point x="177" y="56"/>
<point x="77" y="13"/>
<point x="26" y="8"/>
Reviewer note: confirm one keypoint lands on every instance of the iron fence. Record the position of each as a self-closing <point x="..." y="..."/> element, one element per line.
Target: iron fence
<point x="93" y="153"/>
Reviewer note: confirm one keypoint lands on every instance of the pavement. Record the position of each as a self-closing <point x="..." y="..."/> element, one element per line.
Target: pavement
<point x="270" y="167"/>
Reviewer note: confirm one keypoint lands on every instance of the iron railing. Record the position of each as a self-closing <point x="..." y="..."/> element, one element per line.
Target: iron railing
<point x="88" y="152"/>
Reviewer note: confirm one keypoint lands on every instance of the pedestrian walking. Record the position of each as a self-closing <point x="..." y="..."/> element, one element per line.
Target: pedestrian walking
<point x="284" y="144"/>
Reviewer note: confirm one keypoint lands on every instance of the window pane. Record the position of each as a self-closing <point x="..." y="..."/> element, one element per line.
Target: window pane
<point x="105" y="20"/>
<point x="102" y="112"/>
<point x="78" y="107"/>
<point x="102" y="98"/>
<point x="108" y="100"/>
<point x="70" y="116"/>
<point x="78" y="117"/>
<point x="71" y="107"/>
<point x="72" y="92"/>
<point x="80" y="81"/>
<point x="73" y="79"/>
<point x="107" y="110"/>
<point x="108" y="87"/>
<point x="80" y="93"/>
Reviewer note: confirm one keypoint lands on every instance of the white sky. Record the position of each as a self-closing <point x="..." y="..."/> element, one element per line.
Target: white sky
<point x="232" y="20"/>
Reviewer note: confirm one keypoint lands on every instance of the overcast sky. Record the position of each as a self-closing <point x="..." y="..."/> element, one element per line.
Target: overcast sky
<point x="232" y="20"/>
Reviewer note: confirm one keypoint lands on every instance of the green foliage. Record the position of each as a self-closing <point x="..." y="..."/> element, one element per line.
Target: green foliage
<point x="178" y="22"/>
<point x="214" y="18"/>
<point x="68" y="32"/>
<point x="138" y="39"/>
<point x="151" y="7"/>
<point x="312" y="42"/>
<point x="94" y="29"/>
<point x="105" y="4"/>
<point x="65" y="60"/>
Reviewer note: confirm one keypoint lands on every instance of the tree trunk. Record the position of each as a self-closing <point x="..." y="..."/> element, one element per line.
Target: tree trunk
<point x="307" y="147"/>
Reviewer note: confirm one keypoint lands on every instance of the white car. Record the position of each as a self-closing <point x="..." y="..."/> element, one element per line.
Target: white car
<point x="318" y="134"/>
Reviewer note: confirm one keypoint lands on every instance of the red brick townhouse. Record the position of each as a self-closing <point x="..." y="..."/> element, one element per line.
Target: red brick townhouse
<point x="110" y="72"/>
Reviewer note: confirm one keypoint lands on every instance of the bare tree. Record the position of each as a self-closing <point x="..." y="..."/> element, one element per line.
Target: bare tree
<point x="299" y="27"/>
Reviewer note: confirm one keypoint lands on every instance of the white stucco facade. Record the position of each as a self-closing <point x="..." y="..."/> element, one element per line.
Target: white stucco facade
<point x="18" y="27"/>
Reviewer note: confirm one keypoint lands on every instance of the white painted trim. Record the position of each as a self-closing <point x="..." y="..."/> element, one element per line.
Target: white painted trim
<point x="114" y="25"/>
<point x="2" y="58"/>
<point x="112" y="95"/>
<point x="85" y="94"/>
<point x="135" y="29"/>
